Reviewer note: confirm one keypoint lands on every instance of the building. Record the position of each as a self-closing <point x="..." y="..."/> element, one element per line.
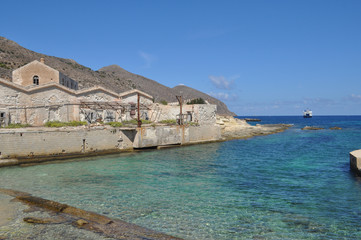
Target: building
<point x="37" y="73"/>
<point x="38" y="94"/>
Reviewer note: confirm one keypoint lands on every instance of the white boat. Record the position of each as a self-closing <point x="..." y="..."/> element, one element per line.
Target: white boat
<point x="307" y="113"/>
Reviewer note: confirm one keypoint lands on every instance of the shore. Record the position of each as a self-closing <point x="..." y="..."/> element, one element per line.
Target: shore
<point x="233" y="128"/>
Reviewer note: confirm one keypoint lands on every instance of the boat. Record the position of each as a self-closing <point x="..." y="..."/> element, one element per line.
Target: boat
<point x="307" y="113"/>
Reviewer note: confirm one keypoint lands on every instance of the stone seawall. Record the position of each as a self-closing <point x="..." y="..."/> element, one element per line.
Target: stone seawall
<point x="31" y="145"/>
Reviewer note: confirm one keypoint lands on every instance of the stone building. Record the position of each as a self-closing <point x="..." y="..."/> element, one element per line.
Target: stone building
<point x="38" y="94"/>
<point x="37" y="73"/>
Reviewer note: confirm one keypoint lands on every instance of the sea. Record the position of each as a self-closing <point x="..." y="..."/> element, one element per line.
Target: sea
<point x="291" y="185"/>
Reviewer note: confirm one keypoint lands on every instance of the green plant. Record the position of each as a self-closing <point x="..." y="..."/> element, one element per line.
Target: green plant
<point x="65" y="124"/>
<point x="3" y="65"/>
<point x="115" y="124"/>
<point x="164" y="102"/>
<point x="197" y="101"/>
<point x="135" y="122"/>
<point x="17" y="125"/>
<point x="169" y="121"/>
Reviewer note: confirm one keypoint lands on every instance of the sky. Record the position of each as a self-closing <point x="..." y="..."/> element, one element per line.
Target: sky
<point x="260" y="57"/>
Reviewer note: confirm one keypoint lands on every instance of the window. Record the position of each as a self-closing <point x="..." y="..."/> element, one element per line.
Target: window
<point x="62" y="81"/>
<point x="36" y="80"/>
<point x="2" y="114"/>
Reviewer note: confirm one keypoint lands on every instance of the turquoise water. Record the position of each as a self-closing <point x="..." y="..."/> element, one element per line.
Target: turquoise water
<point x="292" y="185"/>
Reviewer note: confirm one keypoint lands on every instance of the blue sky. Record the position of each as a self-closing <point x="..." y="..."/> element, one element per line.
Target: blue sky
<point x="261" y="57"/>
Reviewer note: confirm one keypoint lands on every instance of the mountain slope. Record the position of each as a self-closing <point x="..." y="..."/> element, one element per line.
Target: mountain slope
<point x="13" y="56"/>
<point x="155" y="89"/>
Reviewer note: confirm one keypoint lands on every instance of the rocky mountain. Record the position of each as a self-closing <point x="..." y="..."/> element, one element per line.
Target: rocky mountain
<point x="13" y="56"/>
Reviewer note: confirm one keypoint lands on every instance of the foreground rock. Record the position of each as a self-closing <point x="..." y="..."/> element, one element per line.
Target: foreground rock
<point x="233" y="128"/>
<point x="78" y="218"/>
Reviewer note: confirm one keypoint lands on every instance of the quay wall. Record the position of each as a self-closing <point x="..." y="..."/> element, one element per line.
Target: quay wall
<point x="36" y="145"/>
<point x="355" y="161"/>
<point x="159" y="136"/>
<point x="40" y="143"/>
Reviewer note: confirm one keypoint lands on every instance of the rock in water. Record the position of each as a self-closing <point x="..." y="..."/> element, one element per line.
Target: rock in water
<point x="312" y="128"/>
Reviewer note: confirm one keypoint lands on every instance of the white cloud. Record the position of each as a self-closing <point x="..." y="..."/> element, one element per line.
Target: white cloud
<point x="355" y="97"/>
<point x="224" y="96"/>
<point x="148" y="58"/>
<point x="221" y="82"/>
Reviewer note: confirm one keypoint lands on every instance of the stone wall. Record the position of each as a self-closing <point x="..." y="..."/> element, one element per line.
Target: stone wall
<point x="204" y="114"/>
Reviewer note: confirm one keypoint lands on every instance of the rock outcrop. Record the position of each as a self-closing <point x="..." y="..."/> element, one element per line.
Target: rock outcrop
<point x="233" y="128"/>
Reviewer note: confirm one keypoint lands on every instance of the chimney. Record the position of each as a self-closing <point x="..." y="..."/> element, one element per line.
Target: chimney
<point x="42" y="60"/>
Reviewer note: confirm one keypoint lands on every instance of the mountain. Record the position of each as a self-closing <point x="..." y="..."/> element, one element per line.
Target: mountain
<point x="155" y="89"/>
<point x="13" y="56"/>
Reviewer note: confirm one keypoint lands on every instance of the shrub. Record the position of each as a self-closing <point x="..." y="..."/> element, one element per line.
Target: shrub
<point x="65" y="124"/>
<point x="135" y="122"/>
<point x="17" y="125"/>
<point x="197" y="101"/>
<point x="169" y="121"/>
<point x="164" y="102"/>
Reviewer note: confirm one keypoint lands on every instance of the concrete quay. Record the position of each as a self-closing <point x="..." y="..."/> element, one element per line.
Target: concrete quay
<point x="355" y="161"/>
<point x="41" y="144"/>
<point x="35" y="145"/>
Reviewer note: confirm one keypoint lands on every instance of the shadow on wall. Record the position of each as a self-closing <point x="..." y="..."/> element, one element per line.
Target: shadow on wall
<point x="130" y="134"/>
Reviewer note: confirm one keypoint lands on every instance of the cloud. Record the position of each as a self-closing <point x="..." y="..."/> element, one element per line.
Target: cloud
<point x="354" y="97"/>
<point x="224" y="96"/>
<point x="221" y="82"/>
<point x="148" y="58"/>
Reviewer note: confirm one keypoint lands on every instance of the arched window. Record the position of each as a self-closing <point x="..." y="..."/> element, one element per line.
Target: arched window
<point x="36" y="80"/>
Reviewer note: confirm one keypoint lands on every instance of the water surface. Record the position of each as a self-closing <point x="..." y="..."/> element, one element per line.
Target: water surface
<point x="292" y="185"/>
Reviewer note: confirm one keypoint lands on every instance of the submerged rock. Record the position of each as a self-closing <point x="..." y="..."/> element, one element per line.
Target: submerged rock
<point x="335" y="128"/>
<point x="312" y="128"/>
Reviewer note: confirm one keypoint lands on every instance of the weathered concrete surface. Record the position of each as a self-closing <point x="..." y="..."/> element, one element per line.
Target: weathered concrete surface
<point x="233" y="128"/>
<point x="159" y="136"/>
<point x="33" y="145"/>
<point x="28" y="143"/>
<point x="355" y="161"/>
<point x="203" y="114"/>
<point x="78" y="218"/>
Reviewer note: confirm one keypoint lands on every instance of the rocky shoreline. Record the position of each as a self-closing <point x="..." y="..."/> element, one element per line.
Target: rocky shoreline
<point x="233" y="128"/>
<point x="24" y="216"/>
